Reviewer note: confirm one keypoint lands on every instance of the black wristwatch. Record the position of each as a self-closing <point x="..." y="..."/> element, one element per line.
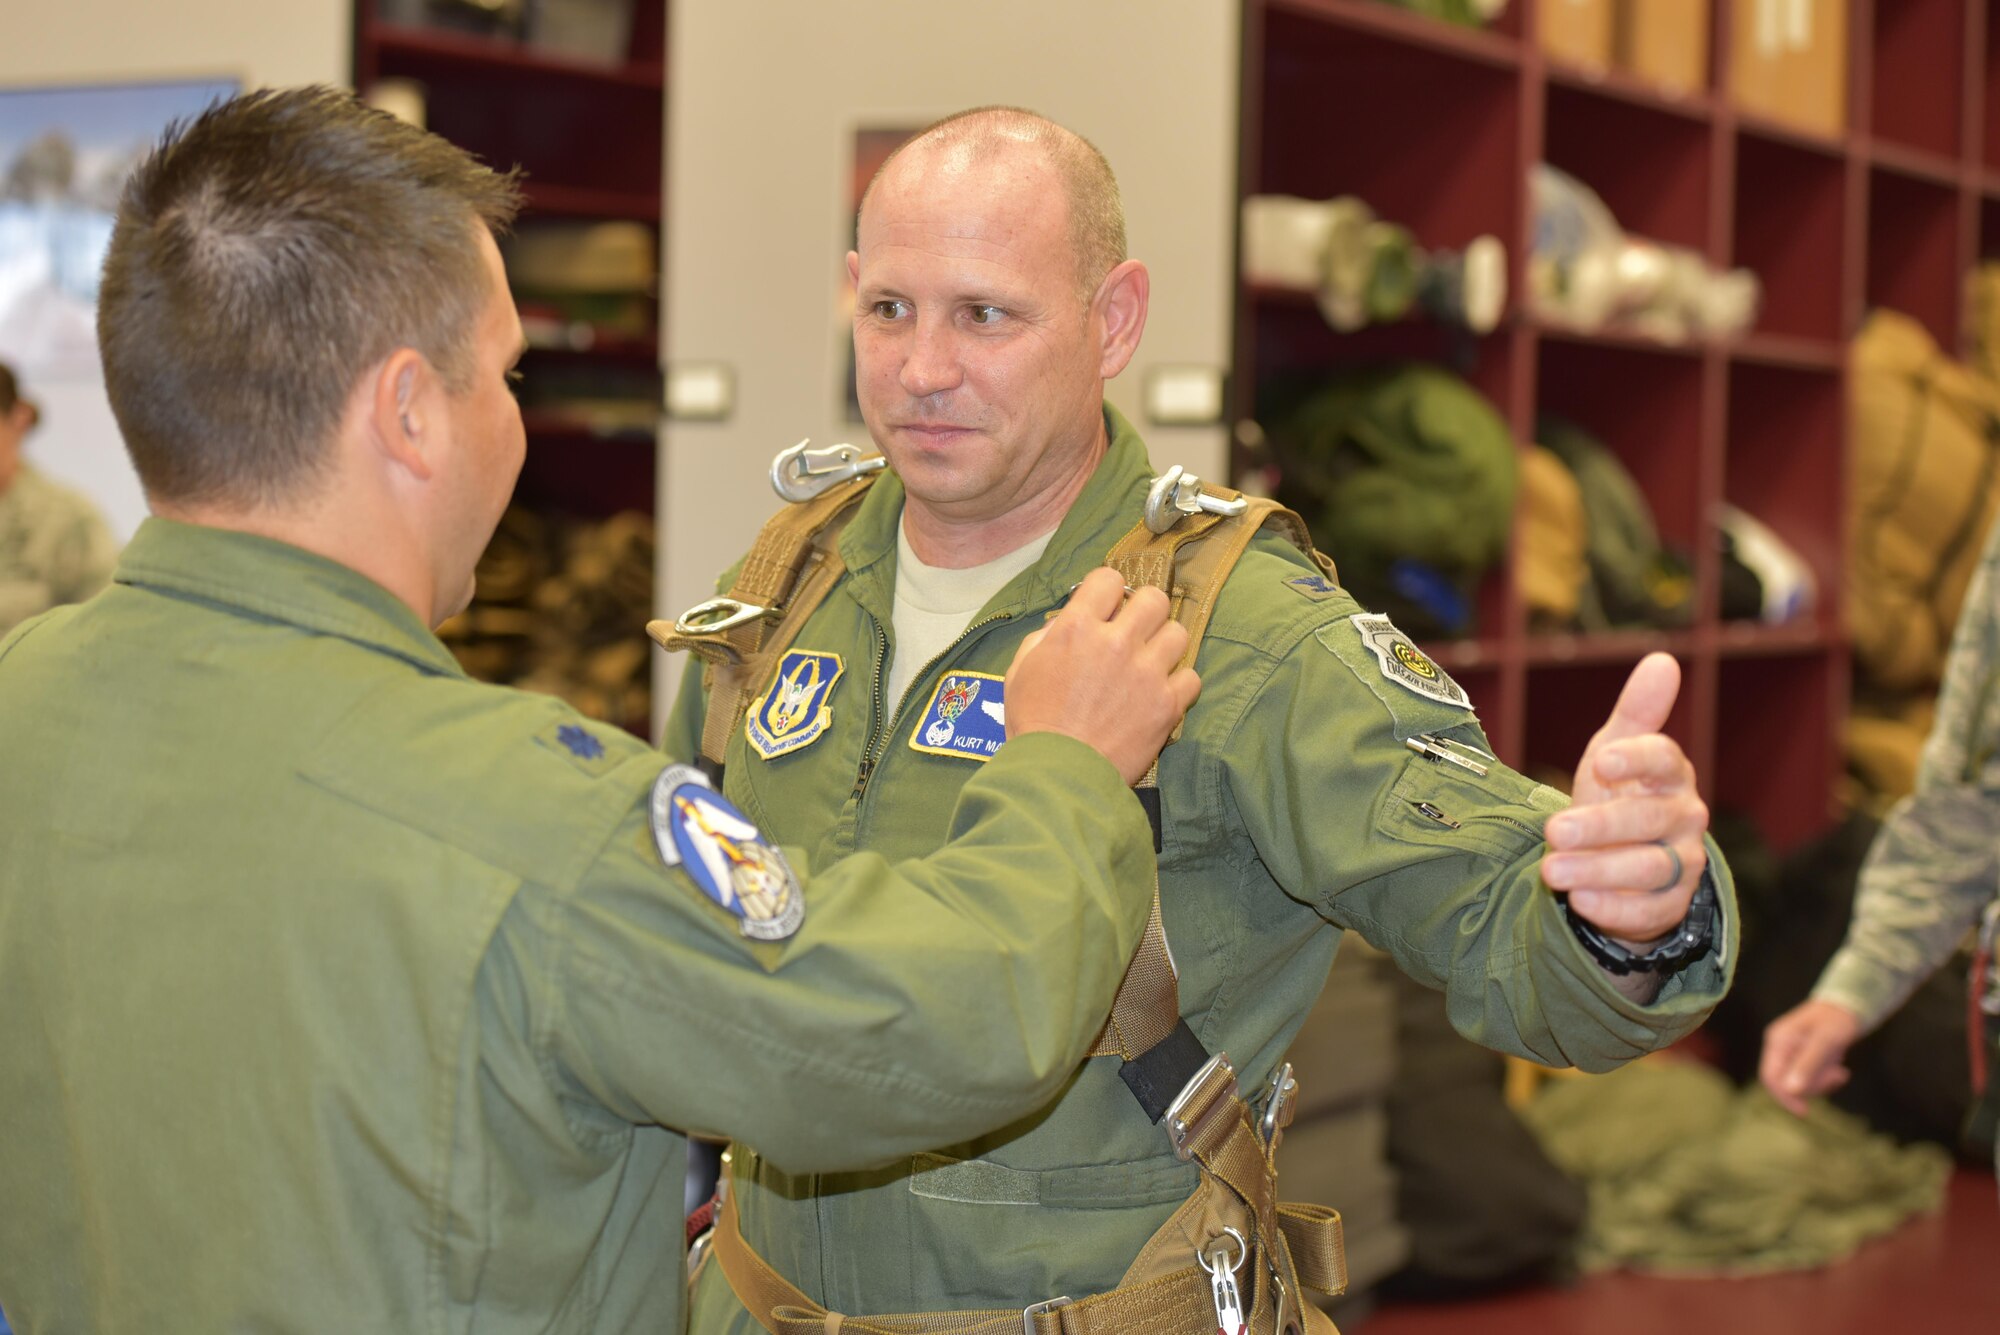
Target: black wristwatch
<point x="1694" y="938"/>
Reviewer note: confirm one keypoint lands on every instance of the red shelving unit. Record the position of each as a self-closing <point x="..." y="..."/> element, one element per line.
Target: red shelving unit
<point x="1437" y="128"/>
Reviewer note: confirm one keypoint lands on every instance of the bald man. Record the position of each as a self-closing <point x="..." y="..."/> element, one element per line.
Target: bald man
<point x="1331" y="778"/>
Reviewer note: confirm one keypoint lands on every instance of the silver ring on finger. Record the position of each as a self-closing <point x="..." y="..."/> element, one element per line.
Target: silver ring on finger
<point x="1674" y="878"/>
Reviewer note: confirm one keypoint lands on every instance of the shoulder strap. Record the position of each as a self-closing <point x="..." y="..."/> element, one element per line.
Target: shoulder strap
<point x="792" y="566"/>
<point x="1191" y="562"/>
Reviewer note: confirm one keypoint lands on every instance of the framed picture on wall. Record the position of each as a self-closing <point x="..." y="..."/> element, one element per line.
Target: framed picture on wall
<point x="65" y="153"/>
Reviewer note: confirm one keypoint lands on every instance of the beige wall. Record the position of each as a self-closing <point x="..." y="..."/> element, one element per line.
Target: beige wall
<point x="94" y="41"/>
<point x="763" y="100"/>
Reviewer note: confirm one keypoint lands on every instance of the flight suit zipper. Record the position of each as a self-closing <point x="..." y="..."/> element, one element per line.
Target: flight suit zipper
<point x="878" y="741"/>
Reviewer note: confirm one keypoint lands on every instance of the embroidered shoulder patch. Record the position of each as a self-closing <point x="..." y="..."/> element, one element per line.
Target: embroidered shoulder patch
<point x="696" y="829"/>
<point x="1315" y="587"/>
<point x="794" y="712"/>
<point x="967" y="718"/>
<point x="1405" y="664"/>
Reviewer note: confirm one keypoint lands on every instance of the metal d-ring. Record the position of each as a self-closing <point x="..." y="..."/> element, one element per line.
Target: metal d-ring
<point x="1242" y="1253"/>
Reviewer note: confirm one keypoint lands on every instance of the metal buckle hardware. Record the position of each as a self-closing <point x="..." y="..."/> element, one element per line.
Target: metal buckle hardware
<point x="799" y="474"/>
<point x="1181" y="1123"/>
<point x="1177" y="493"/>
<point x="1033" y="1310"/>
<point x="1279" y="1097"/>
<point x="719" y="614"/>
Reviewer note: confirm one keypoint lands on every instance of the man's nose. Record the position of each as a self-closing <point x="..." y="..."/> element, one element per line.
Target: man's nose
<point x="932" y="365"/>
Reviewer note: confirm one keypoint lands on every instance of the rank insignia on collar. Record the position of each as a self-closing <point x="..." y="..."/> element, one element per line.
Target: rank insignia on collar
<point x="794" y="712"/>
<point x="696" y="829"/>
<point x="967" y="718"/>
<point x="1405" y="664"/>
<point x="1315" y="587"/>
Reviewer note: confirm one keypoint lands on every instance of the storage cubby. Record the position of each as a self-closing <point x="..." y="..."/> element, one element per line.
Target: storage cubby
<point x="1649" y="164"/>
<point x="1887" y="213"/>
<point x="1789" y="228"/>
<point x="1646" y="406"/>
<point x="1777" y="755"/>
<point x="1917" y="81"/>
<point x="1913" y="258"/>
<point x="1785" y="441"/>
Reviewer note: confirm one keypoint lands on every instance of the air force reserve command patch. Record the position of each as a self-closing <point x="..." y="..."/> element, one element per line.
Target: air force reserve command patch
<point x="696" y="829"/>
<point x="1405" y="664"/>
<point x="794" y="712"/>
<point x="967" y="717"/>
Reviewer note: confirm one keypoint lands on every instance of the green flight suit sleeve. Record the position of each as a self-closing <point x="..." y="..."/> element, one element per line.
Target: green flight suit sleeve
<point x="920" y="1003"/>
<point x="1434" y="864"/>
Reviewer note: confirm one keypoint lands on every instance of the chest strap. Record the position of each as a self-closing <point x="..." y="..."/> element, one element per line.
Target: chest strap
<point x="740" y="637"/>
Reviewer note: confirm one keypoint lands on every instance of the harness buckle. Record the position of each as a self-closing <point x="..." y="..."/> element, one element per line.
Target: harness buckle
<point x="719" y="614"/>
<point x="1183" y="1121"/>
<point x="799" y="474"/>
<point x="1033" y="1310"/>
<point x="1177" y="493"/>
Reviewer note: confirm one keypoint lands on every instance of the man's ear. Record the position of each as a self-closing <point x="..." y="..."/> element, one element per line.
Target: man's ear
<point x="403" y="412"/>
<point x="1120" y="304"/>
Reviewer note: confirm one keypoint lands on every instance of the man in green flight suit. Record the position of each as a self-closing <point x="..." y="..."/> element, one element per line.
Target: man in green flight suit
<point x="1330" y="778"/>
<point x="340" y="992"/>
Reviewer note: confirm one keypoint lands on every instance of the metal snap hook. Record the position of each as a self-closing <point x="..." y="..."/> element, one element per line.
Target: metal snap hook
<point x="1177" y="493"/>
<point x="717" y="615"/>
<point x="799" y="474"/>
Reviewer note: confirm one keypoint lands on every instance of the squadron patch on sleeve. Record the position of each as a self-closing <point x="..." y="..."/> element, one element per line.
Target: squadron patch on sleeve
<point x="1405" y="664"/>
<point x="794" y="712"/>
<point x="967" y="717"/>
<point x="696" y="829"/>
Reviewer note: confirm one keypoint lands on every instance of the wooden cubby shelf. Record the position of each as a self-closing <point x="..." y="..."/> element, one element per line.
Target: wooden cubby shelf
<point x="1892" y="212"/>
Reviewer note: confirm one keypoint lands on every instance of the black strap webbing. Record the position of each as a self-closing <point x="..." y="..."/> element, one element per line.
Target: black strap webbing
<point x="1158" y="1074"/>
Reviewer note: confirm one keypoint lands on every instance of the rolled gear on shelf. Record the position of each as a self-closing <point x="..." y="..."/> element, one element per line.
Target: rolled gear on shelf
<point x="1368" y="271"/>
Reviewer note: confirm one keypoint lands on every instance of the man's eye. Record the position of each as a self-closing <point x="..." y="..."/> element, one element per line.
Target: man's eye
<point x="986" y="314"/>
<point x="889" y="310"/>
<point x="514" y="382"/>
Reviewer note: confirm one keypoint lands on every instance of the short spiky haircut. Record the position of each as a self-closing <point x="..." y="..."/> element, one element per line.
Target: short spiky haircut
<point x="1096" y="213"/>
<point x="266" y="254"/>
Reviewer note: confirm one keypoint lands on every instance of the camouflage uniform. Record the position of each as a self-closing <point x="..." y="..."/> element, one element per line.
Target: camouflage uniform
<point x="1936" y="864"/>
<point x="54" y="548"/>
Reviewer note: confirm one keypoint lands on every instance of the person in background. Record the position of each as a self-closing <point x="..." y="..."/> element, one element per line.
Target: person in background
<point x="1932" y="874"/>
<point x="54" y="547"/>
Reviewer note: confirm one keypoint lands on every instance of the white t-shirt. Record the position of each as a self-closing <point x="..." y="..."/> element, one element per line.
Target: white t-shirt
<point x="935" y="605"/>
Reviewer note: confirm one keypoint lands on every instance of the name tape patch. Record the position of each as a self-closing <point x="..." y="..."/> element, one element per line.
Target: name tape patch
<point x="967" y="717"/>
<point x="696" y="829"/>
<point x="794" y="712"/>
<point x="1405" y="664"/>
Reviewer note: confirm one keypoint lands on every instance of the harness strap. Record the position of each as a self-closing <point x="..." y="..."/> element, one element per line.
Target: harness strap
<point x="1176" y="1303"/>
<point x="792" y="566"/>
